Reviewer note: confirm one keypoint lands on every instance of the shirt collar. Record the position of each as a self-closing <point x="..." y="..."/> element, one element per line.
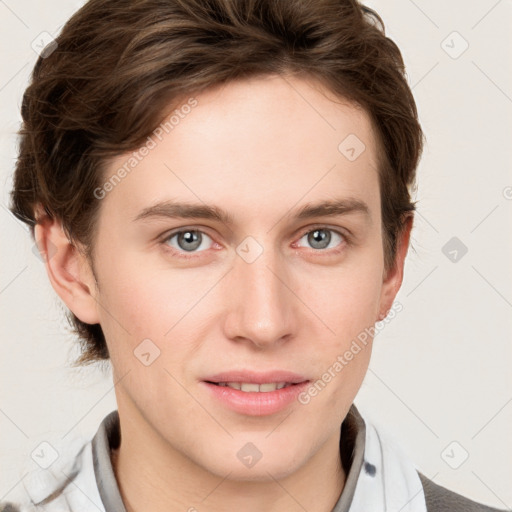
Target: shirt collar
<point x="108" y="437"/>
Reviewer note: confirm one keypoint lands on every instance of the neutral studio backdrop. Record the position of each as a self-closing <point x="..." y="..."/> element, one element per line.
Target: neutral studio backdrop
<point x="439" y="378"/>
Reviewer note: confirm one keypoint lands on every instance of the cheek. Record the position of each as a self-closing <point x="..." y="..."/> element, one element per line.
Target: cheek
<point x="346" y="299"/>
<point x="347" y="303"/>
<point x="344" y="356"/>
<point x="143" y="301"/>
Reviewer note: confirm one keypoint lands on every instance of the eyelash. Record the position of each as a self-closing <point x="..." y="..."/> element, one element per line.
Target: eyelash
<point x="346" y="241"/>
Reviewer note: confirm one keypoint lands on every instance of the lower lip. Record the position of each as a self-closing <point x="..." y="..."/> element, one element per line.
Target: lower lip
<point x="256" y="403"/>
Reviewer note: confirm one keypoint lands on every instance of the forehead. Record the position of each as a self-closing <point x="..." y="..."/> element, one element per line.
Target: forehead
<point x="271" y="141"/>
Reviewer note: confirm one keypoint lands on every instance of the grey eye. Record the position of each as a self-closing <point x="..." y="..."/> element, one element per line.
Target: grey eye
<point x="320" y="238"/>
<point x="188" y="240"/>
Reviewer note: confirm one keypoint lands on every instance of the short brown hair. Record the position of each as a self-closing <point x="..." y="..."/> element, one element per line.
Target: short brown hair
<point x="118" y="64"/>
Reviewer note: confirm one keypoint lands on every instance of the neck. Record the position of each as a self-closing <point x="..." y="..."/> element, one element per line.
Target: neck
<point x="150" y="475"/>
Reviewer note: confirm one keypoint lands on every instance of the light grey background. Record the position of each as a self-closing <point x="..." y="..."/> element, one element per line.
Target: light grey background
<point x="439" y="378"/>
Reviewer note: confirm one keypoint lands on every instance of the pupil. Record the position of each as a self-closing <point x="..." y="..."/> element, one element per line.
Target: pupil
<point x="319" y="236"/>
<point x="189" y="237"/>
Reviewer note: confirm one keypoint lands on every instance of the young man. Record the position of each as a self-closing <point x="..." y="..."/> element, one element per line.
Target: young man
<point x="280" y="141"/>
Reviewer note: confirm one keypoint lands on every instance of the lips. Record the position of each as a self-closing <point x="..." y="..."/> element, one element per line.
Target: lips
<point x="255" y="403"/>
<point x="255" y="393"/>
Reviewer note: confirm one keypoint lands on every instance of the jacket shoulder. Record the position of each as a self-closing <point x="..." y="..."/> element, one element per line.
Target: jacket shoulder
<point x="440" y="499"/>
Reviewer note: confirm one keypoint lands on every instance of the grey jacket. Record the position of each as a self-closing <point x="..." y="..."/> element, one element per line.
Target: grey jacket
<point x="440" y="499"/>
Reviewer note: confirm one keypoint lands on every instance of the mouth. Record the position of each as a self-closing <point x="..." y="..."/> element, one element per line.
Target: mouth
<point x="252" y="387"/>
<point x="262" y="398"/>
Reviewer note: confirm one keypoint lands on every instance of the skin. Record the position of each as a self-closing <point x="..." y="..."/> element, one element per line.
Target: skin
<point x="260" y="149"/>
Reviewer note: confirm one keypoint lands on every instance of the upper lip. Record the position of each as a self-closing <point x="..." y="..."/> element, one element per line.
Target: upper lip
<point x="256" y="377"/>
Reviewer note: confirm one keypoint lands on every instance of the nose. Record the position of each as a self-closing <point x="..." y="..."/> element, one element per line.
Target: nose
<point x="262" y="305"/>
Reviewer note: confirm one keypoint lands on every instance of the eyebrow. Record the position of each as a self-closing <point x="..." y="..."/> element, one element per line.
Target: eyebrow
<point x="184" y="210"/>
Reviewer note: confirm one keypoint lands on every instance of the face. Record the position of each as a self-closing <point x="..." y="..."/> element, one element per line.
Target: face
<point x="185" y="296"/>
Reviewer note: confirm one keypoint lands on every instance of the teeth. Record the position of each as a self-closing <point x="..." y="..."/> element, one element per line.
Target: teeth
<point x="252" y="387"/>
<point x="247" y="387"/>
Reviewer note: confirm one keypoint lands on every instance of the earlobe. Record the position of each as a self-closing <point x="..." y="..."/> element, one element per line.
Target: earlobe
<point x="393" y="278"/>
<point x="68" y="270"/>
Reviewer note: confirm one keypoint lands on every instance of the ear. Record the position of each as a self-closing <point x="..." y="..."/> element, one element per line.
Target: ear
<point x="68" y="269"/>
<point x="392" y="280"/>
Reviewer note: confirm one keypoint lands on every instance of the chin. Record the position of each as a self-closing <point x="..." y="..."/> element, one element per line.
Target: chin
<point x="260" y="472"/>
<point x="241" y="467"/>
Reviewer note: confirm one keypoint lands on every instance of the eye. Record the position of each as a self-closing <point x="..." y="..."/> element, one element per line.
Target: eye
<point x="187" y="240"/>
<point x="321" y="237"/>
<point x="192" y="241"/>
